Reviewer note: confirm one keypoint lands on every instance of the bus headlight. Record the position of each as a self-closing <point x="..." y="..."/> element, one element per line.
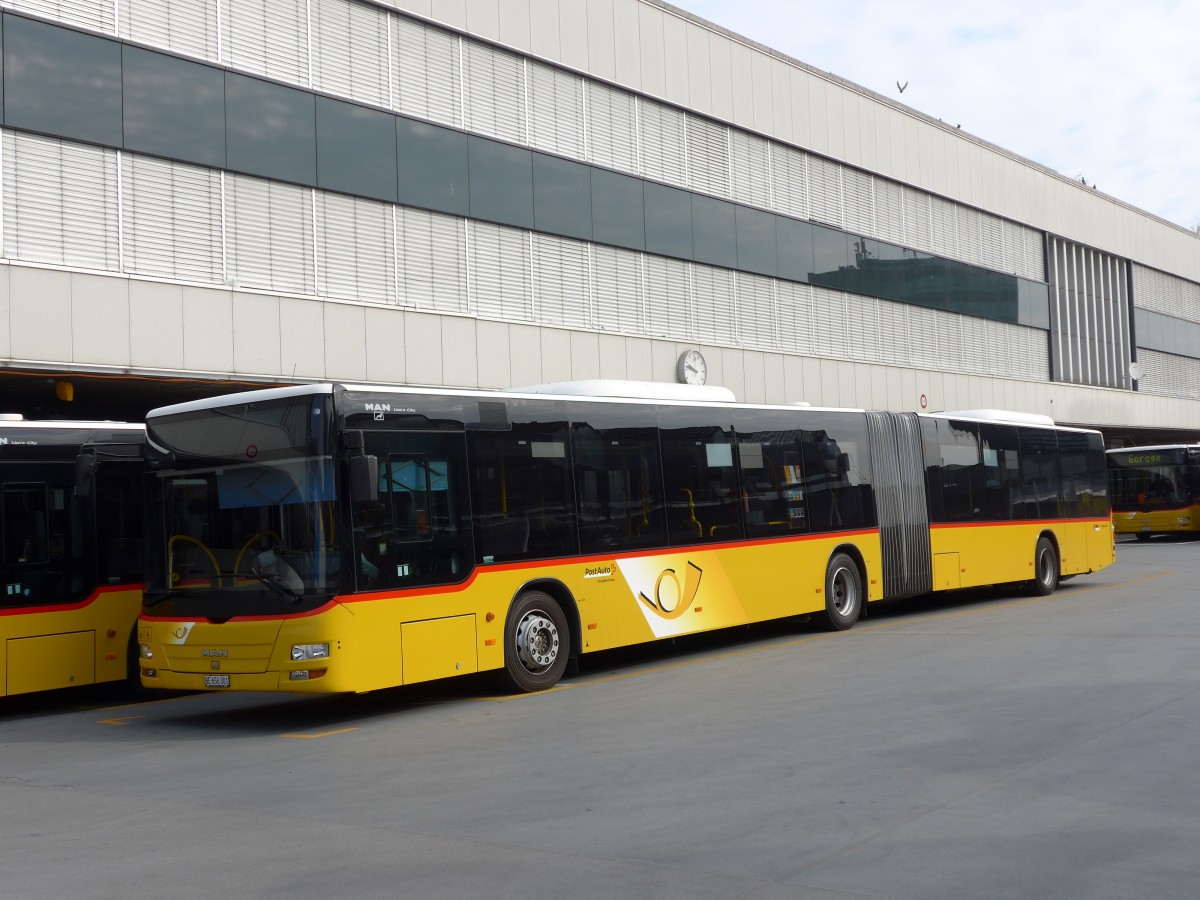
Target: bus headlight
<point x="145" y="651"/>
<point x="1183" y="520"/>
<point x="309" y="651"/>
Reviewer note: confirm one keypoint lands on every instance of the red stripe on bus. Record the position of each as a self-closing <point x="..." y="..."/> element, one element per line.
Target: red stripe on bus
<point x="66" y="607"/>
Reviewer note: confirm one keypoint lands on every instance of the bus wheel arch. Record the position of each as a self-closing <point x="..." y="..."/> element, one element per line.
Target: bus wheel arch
<point x="1047" y="564"/>
<point x="845" y="589"/>
<point x="540" y="634"/>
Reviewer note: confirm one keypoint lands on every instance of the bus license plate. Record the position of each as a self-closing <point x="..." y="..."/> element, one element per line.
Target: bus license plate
<point x="216" y="681"/>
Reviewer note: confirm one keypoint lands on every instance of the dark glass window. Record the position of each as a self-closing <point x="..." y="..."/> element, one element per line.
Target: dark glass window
<point x="668" y="221"/>
<point x="772" y="481"/>
<point x="714" y="234"/>
<point x="45" y="541"/>
<point x="1039" y="472"/>
<point x="118" y="503"/>
<point x="1076" y="469"/>
<point x="831" y="257"/>
<point x="1001" y="472"/>
<point x="501" y="182"/>
<point x="794" y="249"/>
<point x="618" y="481"/>
<point x="756" y="247"/>
<point x="931" y="449"/>
<point x="523" y="501"/>
<point x="836" y="464"/>
<point x="703" y="501"/>
<point x="174" y="108"/>
<point x="961" y="471"/>
<point x="356" y="150"/>
<point x="62" y="82"/>
<point x="432" y="167"/>
<point x="618" y="211"/>
<point x="270" y="130"/>
<point x="562" y="197"/>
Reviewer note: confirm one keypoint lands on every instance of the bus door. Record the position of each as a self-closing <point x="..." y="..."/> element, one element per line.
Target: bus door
<point x="418" y="530"/>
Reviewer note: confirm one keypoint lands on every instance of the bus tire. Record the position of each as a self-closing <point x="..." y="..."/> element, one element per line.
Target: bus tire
<point x="537" y="642"/>
<point x="1142" y="535"/>
<point x="843" y="593"/>
<point x="1045" y="568"/>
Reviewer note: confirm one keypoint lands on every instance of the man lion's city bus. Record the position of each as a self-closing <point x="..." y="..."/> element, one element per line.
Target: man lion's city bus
<point x="350" y="538"/>
<point x="1155" y="490"/>
<point x="71" y="553"/>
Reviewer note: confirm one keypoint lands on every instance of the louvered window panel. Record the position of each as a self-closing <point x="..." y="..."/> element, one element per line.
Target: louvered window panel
<point x="60" y="203"/>
<point x="756" y="312"/>
<point x="789" y="181"/>
<point x="350" y="50"/>
<point x="663" y="143"/>
<point x="669" y="302"/>
<point x="431" y="261"/>
<point x="268" y="235"/>
<point x="355" y="256"/>
<point x="862" y="327"/>
<point x="94" y="14"/>
<point x="172" y="220"/>
<point x="923" y="325"/>
<point x="970" y="245"/>
<point x="916" y="220"/>
<point x="611" y="127"/>
<point x="267" y="37"/>
<point x="829" y="323"/>
<point x="1169" y="375"/>
<point x="555" y="111"/>
<point x="1033" y="255"/>
<point x="716" y="319"/>
<point x="978" y="356"/>
<point x="428" y="77"/>
<point x="991" y="243"/>
<point x="617" y="287"/>
<point x="858" y="201"/>
<point x="561" y="282"/>
<point x="943" y="227"/>
<point x="707" y="156"/>
<point x="1166" y="294"/>
<point x="889" y="212"/>
<point x="499" y="260"/>
<point x="751" y="167"/>
<point x="892" y="341"/>
<point x="825" y="186"/>
<point x="795" y="303"/>
<point x="949" y="343"/>
<point x="181" y="26"/>
<point x="495" y="92"/>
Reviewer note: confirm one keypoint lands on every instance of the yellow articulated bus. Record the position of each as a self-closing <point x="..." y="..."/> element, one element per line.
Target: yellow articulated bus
<point x="72" y="553"/>
<point x="1155" y="490"/>
<point x="350" y="538"/>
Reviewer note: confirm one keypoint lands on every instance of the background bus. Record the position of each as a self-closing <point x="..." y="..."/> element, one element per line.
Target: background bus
<point x="71" y="553"/>
<point x="344" y="538"/>
<point x="1155" y="490"/>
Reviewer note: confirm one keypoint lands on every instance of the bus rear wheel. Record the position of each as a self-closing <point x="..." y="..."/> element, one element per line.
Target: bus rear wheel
<point x="536" y="642"/>
<point x="843" y="593"/>
<point x="1045" y="568"/>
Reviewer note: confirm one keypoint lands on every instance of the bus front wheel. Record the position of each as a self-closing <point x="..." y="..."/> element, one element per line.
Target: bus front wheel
<point x="1045" y="568"/>
<point x="536" y="642"/>
<point x="843" y="592"/>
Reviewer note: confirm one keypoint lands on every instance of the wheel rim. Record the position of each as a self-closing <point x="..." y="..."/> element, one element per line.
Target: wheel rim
<point x="844" y="591"/>
<point x="1045" y="566"/>
<point x="537" y="641"/>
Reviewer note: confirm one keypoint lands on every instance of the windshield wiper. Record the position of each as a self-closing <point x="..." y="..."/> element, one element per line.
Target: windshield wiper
<point x="153" y="598"/>
<point x="274" y="585"/>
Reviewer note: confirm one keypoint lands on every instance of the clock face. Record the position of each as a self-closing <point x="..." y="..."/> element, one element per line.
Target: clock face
<point x="692" y="368"/>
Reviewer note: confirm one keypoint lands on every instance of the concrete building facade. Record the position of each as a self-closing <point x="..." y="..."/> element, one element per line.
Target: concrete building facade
<point x="495" y="193"/>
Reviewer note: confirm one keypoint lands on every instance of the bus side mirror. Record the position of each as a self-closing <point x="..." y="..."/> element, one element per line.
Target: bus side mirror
<point x="85" y="470"/>
<point x="364" y="479"/>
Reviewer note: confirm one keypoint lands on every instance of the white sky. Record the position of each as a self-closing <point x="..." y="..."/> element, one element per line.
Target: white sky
<point x="1104" y="89"/>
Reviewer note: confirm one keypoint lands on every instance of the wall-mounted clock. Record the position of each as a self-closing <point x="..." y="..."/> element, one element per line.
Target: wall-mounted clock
<point x="692" y="368"/>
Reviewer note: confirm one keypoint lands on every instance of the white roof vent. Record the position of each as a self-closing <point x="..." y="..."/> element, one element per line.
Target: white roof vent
<point x="635" y="390"/>
<point x="11" y="417"/>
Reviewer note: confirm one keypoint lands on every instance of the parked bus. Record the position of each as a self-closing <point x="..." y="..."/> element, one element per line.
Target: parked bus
<point x="348" y="538"/>
<point x="1155" y="490"/>
<point x="71" y="531"/>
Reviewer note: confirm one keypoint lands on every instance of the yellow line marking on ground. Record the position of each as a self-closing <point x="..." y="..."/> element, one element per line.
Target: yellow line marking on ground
<point x="120" y="720"/>
<point x="320" y="734"/>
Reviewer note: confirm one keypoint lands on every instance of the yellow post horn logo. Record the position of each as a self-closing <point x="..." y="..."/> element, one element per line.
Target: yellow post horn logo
<point x="684" y="597"/>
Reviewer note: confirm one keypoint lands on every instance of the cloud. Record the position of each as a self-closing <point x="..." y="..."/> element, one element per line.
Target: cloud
<point x="1103" y="89"/>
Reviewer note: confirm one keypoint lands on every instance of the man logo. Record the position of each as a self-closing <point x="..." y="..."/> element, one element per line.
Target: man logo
<point x="671" y="602"/>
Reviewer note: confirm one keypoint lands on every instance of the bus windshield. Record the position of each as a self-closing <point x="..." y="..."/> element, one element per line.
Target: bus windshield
<point x="246" y="494"/>
<point x="1144" y="480"/>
